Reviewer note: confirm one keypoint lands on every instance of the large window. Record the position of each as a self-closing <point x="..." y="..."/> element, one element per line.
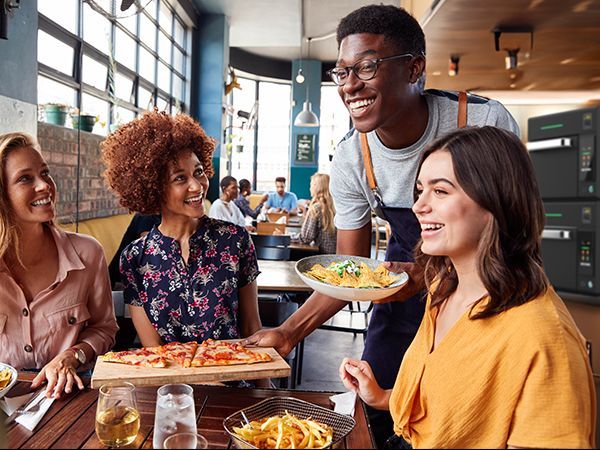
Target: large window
<point x="335" y="123"/>
<point x="262" y="162"/>
<point x="113" y="67"/>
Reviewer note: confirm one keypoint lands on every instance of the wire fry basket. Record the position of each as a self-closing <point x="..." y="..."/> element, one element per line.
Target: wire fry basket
<point x="277" y="406"/>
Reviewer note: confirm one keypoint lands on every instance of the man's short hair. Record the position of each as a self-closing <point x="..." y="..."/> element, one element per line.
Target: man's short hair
<point x="396" y="24"/>
<point x="280" y="180"/>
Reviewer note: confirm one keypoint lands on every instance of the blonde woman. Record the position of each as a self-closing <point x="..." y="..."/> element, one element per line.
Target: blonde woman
<point x="56" y="310"/>
<point x="318" y="225"/>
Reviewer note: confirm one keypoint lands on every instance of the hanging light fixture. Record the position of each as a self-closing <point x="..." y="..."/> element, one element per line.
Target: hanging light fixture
<point x="306" y="118"/>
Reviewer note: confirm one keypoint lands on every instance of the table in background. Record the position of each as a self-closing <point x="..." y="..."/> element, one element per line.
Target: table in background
<point x="70" y="422"/>
<point x="280" y="276"/>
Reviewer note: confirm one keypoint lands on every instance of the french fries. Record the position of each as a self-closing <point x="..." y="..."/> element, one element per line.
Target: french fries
<point x="5" y="377"/>
<point x="285" y="431"/>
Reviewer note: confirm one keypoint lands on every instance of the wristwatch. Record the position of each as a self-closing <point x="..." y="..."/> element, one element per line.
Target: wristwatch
<point x="79" y="355"/>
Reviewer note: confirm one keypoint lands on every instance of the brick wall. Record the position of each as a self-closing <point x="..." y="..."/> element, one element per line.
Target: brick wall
<point x="59" y="147"/>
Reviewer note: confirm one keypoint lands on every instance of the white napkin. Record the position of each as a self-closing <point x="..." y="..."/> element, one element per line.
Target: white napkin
<point x="344" y="403"/>
<point x="29" y="421"/>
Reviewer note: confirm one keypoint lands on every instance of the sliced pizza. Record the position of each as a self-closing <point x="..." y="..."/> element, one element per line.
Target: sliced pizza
<point x="222" y="353"/>
<point x="141" y="357"/>
<point x="182" y="353"/>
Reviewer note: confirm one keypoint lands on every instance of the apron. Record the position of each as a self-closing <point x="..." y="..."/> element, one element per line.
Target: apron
<point x="393" y="325"/>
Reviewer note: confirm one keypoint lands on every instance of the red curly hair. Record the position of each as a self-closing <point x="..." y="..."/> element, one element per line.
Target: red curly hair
<point x="138" y="154"/>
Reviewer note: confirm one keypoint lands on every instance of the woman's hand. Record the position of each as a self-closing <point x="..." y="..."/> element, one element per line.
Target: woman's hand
<point x="61" y="375"/>
<point x="358" y="377"/>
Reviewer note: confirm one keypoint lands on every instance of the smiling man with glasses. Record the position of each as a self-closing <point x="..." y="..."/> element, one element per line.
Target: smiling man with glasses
<point x="380" y="77"/>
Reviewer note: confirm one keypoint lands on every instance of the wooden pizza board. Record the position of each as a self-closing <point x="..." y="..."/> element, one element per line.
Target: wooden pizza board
<point x="149" y="376"/>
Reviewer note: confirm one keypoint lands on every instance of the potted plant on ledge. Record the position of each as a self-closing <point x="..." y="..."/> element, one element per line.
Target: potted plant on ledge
<point x="85" y="122"/>
<point x="55" y="113"/>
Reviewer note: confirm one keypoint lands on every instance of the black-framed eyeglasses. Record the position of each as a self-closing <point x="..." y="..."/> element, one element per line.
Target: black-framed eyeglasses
<point x="364" y="69"/>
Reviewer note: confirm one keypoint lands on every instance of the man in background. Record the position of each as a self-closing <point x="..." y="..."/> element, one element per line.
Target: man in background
<point x="282" y="201"/>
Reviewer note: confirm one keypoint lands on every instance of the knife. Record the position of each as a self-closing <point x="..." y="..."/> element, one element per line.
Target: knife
<point x="35" y="398"/>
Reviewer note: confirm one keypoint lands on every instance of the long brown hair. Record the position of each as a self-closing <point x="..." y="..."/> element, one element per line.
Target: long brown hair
<point x="9" y="232"/>
<point x="493" y="168"/>
<point x="322" y="197"/>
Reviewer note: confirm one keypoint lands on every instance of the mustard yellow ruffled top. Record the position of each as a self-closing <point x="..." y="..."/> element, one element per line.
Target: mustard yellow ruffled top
<point x="521" y="378"/>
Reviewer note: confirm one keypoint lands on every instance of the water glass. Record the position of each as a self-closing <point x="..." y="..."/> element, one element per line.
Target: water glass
<point x="186" y="440"/>
<point x="175" y="412"/>
<point x="117" y="415"/>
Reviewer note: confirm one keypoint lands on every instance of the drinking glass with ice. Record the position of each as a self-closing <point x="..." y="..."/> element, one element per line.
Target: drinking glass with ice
<point x="175" y="412"/>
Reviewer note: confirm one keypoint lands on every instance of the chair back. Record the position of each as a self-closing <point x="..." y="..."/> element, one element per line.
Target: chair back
<point x="119" y="303"/>
<point x="270" y="228"/>
<point x="273" y="253"/>
<point x="274" y="313"/>
<point x="271" y="240"/>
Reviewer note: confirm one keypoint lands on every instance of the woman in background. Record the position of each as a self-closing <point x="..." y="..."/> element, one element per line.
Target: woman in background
<point x="497" y="361"/>
<point x="190" y="278"/>
<point x="56" y="309"/>
<point x="318" y="224"/>
<point x="243" y="203"/>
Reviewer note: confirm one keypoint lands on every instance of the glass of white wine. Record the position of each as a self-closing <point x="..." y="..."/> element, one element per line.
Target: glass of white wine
<point x="117" y="415"/>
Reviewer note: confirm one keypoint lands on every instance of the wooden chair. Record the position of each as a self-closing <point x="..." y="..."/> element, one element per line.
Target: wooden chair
<point x="382" y="235"/>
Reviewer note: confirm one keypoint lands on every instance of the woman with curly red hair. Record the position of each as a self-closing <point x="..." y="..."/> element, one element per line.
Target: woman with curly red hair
<point x="192" y="277"/>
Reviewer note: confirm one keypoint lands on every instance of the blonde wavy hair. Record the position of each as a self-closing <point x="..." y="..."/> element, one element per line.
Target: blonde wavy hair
<point x="322" y="197"/>
<point x="9" y="235"/>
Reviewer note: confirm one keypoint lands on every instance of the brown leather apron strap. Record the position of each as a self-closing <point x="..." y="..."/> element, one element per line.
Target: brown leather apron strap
<point x="366" y="153"/>
<point x="462" y="109"/>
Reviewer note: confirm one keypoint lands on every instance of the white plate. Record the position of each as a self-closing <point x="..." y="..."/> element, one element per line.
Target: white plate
<point x="13" y="379"/>
<point x="347" y="293"/>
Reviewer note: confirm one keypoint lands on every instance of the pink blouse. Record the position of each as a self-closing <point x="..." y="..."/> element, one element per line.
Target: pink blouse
<point x="77" y="307"/>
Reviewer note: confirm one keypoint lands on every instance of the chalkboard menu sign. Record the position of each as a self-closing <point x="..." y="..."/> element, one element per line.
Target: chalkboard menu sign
<point x="305" y="148"/>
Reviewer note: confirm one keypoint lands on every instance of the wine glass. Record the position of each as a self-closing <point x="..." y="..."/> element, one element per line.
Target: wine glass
<point x="117" y="415"/>
<point x="175" y="412"/>
<point x="186" y="440"/>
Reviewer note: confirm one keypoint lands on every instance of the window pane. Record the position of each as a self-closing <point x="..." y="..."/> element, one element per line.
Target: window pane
<point x="164" y="77"/>
<point x="162" y="104"/>
<point x="125" y="49"/>
<point x="124" y="88"/>
<point x="55" y="53"/>
<point x="177" y="88"/>
<point x="239" y="138"/>
<point x="96" y="107"/>
<point x="130" y="23"/>
<point x="124" y="115"/>
<point x="147" y="64"/>
<point x="178" y="60"/>
<point x="147" y="32"/>
<point x="335" y="123"/>
<point x="94" y="73"/>
<point x="96" y="29"/>
<point x="145" y="99"/>
<point x="66" y="15"/>
<point x="273" y="133"/>
<point x="179" y="33"/>
<point x="165" y="17"/>
<point x="49" y="91"/>
<point x="164" y="47"/>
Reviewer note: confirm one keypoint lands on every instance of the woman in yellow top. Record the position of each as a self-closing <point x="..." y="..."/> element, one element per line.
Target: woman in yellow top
<point x="497" y="361"/>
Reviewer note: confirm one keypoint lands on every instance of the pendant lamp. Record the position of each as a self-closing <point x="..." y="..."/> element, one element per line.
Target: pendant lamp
<point x="306" y="118"/>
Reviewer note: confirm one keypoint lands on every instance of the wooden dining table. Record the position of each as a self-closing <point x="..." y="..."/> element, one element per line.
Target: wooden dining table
<point x="70" y="421"/>
<point x="280" y="276"/>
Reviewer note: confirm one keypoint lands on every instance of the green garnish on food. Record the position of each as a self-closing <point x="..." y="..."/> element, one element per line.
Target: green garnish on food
<point x="347" y="266"/>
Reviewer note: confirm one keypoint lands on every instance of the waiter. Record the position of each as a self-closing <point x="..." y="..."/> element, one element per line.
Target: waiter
<point x="379" y="73"/>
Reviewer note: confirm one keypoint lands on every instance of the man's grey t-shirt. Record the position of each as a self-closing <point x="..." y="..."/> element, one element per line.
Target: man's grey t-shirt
<point x="395" y="169"/>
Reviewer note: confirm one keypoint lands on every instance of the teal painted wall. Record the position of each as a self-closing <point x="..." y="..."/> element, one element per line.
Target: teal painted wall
<point x="212" y="58"/>
<point x="300" y="173"/>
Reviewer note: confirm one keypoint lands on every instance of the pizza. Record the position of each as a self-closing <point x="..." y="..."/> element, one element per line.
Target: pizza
<point x="223" y="353"/>
<point x="180" y="353"/>
<point x="142" y="357"/>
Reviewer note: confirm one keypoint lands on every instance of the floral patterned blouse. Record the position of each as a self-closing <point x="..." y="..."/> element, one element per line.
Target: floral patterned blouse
<point x="197" y="300"/>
